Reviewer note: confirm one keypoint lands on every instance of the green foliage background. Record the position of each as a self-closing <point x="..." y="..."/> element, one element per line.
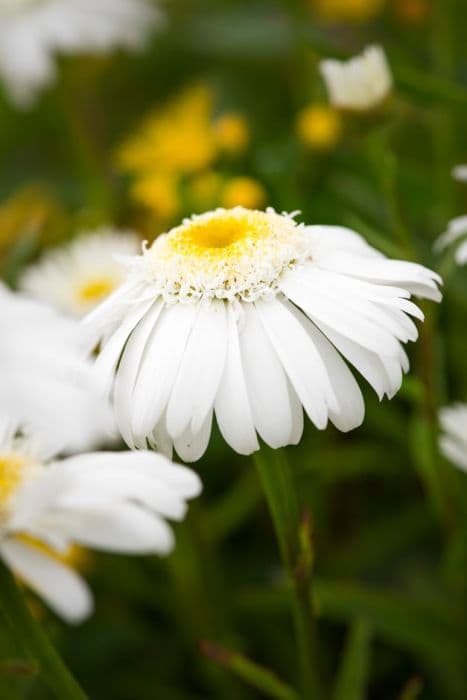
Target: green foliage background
<point x="389" y="515"/>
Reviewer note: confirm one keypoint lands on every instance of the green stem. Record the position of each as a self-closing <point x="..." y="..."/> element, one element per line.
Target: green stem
<point x="255" y="675"/>
<point x="30" y="636"/>
<point x="296" y="554"/>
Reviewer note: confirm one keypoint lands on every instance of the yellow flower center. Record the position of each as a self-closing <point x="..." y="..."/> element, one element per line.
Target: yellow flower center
<point x="222" y="234"/>
<point x="12" y="467"/>
<point x="95" y="290"/>
<point x="224" y="254"/>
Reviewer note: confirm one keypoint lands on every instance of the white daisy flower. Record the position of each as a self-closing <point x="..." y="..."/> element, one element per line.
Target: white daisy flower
<point x="248" y="315"/>
<point x="359" y="84"/>
<point x="33" y="31"/>
<point x="110" y="501"/>
<point x="456" y="234"/>
<point x="45" y="378"/>
<point x="460" y="173"/>
<point x="76" y="277"/>
<point x="453" y="441"/>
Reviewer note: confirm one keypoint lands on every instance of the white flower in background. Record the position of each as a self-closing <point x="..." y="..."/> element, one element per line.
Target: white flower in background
<point x="76" y="277"/>
<point x="453" y="441"/>
<point x="460" y="173"/>
<point x="456" y="234"/>
<point x="248" y="315"/>
<point x="46" y="379"/>
<point x="359" y="84"/>
<point x="32" y="32"/>
<point x="111" y="501"/>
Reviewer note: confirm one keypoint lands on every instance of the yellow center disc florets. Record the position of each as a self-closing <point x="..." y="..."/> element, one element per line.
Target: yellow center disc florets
<point x="95" y="290"/>
<point x="13" y="467"/>
<point x="224" y="254"/>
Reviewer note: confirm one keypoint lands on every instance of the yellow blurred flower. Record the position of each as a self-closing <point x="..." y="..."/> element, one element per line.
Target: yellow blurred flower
<point x="411" y="11"/>
<point x="244" y="192"/>
<point x="29" y="210"/>
<point x="319" y="126"/>
<point x="177" y="138"/>
<point x="347" y="10"/>
<point x="204" y="189"/>
<point x="232" y="132"/>
<point x="158" y="192"/>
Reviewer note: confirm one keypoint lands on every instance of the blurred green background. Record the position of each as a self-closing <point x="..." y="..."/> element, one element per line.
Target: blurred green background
<point x="389" y="515"/>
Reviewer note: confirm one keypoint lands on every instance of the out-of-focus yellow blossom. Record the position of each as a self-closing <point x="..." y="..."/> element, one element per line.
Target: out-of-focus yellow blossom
<point x="411" y="11"/>
<point x="319" y="126"/>
<point x="204" y="190"/>
<point x="159" y="193"/>
<point x="232" y="132"/>
<point x="29" y="210"/>
<point x="347" y="10"/>
<point x="177" y="138"/>
<point x="243" y="192"/>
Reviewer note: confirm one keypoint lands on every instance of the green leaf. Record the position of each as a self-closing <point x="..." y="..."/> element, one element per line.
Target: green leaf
<point x="353" y="672"/>
<point x="258" y="677"/>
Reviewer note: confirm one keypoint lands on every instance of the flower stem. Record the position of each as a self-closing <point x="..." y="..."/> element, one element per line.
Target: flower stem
<point x="297" y="557"/>
<point x="30" y="636"/>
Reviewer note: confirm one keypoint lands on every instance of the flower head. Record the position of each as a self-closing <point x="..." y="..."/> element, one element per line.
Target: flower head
<point x="171" y="157"/>
<point x="359" y="84"/>
<point x="347" y="10"/>
<point x="116" y="502"/>
<point x="45" y="380"/>
<point x="76" y="277"/>
<point x="243" y="191"/>
<point x="232" y="132"/>
<point x="248" y="315"/>
<point x="453" y="441"/>
<point x="33" y="31"/>
<point x="319" y="126"/>
<point x="460" y="173"/>
<point x="456" y="233"/>
<point x="178" y="138"/>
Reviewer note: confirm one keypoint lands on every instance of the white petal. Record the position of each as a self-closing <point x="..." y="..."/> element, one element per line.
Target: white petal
<point x="350" y="409"/>
<point x="319" y="307"/>
<point x="58" y="585"/>
<point x="108" y="358"/>
<point x="266" y="382"/>
<point x="233" y="411"/>
<point x="200" y="372"/>
<point x="368" y="363"/>
<point x="300" y="360"/>
<point x="163" y="355"/>
<point x="113" y="527"/>
<point x="454" y="451"/>
<point x="128" y="370"/>
<point x="183" y="480"/>
<point x="328" y="239"/>
<point x="415" y="278"/>
<point x="191" y="446"/>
